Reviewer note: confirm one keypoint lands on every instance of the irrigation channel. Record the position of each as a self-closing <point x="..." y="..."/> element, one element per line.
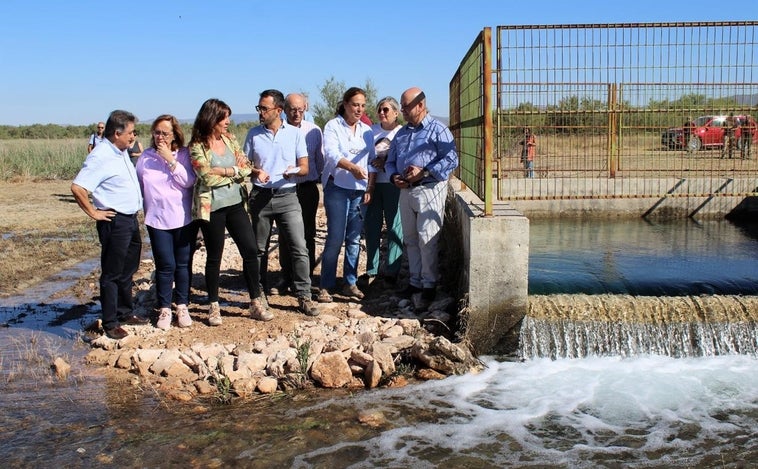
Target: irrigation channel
<point x="627" y="398"/>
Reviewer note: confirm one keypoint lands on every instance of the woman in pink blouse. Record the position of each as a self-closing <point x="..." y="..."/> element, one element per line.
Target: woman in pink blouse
<point x="166" y="178"/>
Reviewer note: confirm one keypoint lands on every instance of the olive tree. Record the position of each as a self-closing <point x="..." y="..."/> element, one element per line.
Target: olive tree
<point x="331" y="94"/>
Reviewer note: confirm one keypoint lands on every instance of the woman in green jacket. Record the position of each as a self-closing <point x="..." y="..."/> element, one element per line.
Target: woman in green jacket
<point x="220" y="203"/>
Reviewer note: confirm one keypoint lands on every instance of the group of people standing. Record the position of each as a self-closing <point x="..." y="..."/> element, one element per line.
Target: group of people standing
<point x="383" y="174"/>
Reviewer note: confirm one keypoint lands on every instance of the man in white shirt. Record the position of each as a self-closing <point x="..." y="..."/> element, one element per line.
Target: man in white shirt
<point x="110" y="176"/>
<point x="279" y="153"/>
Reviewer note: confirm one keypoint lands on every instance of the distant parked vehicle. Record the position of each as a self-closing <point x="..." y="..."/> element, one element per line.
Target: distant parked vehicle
<point x="703" y="132"/>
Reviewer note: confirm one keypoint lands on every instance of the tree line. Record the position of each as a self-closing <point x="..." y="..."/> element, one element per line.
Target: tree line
<point x="574" y="114"/>
<point x="330" y="93"/>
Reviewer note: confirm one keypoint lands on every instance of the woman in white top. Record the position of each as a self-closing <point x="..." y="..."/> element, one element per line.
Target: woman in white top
<point x="385" y="197"/>
<point x="348" y="147"/>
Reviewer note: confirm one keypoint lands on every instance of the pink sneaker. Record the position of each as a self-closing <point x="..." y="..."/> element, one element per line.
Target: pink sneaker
<point x="182" y="316"/>
<point x="164" y="320"/>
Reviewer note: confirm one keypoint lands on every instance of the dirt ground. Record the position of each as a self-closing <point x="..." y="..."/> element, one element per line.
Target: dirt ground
<point x="45" y="232"/>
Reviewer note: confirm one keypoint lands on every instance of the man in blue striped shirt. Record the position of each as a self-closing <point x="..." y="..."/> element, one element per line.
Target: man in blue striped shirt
<point x="421" y="157"/>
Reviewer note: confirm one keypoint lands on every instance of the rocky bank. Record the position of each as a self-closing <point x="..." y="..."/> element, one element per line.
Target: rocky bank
<point x="381" y="341"/>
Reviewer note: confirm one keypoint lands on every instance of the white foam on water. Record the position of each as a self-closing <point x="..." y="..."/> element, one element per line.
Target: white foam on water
<point x="640" y="412"/>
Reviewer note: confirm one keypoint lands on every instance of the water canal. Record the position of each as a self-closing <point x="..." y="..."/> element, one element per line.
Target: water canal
<point x="598" y="411"/>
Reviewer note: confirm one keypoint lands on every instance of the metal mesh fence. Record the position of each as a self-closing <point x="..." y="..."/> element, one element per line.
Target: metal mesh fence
<point x="612" y="103"/>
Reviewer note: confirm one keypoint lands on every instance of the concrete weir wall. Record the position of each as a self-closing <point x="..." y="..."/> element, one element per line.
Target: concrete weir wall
<point x="495" y="263"/>
<point x="673" y="197"/>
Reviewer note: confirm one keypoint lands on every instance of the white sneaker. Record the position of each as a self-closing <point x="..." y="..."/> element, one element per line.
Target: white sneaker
<point x="164" y="320"/>
<point x="182" y="316"/>
<point x="214" y="314"/>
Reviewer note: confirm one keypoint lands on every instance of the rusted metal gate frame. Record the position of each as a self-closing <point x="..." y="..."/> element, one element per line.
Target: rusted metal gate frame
<point x="474" y="114"/>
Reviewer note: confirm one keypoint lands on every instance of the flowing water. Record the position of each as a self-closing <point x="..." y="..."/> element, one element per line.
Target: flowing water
<point x="638" y="409"/>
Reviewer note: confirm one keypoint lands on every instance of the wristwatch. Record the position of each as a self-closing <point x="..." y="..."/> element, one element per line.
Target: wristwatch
<point x="425" y="173"/>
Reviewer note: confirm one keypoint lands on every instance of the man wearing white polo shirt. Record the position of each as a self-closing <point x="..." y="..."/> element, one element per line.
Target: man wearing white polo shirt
<point x="279" y="153"/>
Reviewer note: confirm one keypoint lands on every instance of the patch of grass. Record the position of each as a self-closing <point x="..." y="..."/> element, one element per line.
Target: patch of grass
<point x="24" y="159"/>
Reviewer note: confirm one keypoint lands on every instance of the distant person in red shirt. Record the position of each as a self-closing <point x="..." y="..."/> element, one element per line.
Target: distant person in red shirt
<point x="528" y="150"/>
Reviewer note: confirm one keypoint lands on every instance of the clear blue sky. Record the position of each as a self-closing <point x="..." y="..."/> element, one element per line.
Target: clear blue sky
<point x="72" y="62"/>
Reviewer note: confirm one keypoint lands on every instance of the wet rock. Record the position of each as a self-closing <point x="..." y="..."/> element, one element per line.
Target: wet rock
<point x="181" y="395"/>
<point x="373" y="374"/>
<point x="204" y="387"/>
<point x="61" y="368"/>
<point x="397" y="382"/>
<point x="372" y="418"/>
<point x="97" y="356"/>
<point x="331" y="370"/>
<point x="442" y="355"/>
<point x="382" y="354"/>
<point x="428" y="374"/>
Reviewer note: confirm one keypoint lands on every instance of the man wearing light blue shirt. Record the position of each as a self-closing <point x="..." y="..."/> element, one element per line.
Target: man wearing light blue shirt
<point x="279" y="153"/>
<point x="109" y="175"/>
<point x="421" y="158"/>
<point x="307" y="188"/>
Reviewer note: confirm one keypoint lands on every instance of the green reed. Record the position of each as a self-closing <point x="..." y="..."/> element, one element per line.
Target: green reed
<point x="24" y="159"/>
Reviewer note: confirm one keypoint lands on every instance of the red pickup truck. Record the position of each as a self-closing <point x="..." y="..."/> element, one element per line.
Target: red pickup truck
<point x="707" y="132"/>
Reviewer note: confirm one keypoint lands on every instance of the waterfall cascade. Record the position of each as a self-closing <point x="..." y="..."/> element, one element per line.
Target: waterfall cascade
<point x="575" y="326"/>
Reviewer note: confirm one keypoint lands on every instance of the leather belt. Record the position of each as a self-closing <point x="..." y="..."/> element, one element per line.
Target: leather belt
<point x="422" y="183"/>
<point x="132" y="215"/>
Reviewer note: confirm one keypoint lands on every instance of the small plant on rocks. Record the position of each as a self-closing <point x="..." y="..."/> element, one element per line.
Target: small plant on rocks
<point x="223" y="384"/>
<point x="303" y="350"/>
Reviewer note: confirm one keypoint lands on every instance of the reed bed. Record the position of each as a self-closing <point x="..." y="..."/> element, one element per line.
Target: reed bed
<point x="29" y="159"/>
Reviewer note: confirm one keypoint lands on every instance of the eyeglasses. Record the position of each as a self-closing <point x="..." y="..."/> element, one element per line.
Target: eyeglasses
<point x="385" y="110"/>
<point x="295" y="110"/>
<point x="158" y="133"/>
<point x="263" y="108"/>
<point x="100" y="128"/>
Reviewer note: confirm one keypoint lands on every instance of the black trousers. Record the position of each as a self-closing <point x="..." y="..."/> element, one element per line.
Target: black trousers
<point x="237" y="222"/>
<point x="121" y="247"/>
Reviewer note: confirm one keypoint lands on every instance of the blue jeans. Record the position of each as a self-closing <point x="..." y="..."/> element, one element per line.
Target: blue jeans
<point x="171" y="251"/>
<point x="343" y="225"/>
<point x="384" y="209"/>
